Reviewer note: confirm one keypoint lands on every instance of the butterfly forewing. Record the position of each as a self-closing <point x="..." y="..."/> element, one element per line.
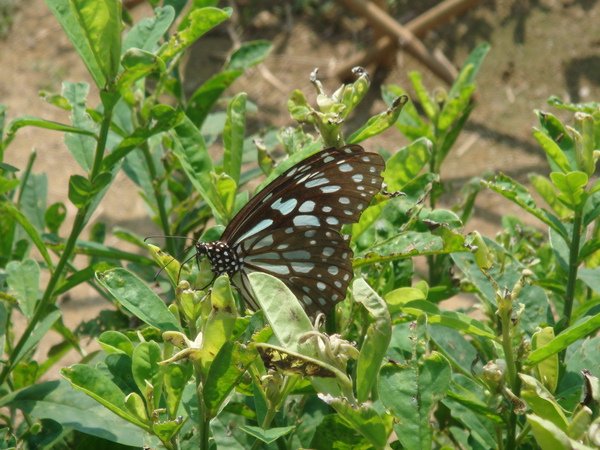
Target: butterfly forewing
<point x="291" y="229"/>
<point x="328" y="189"/>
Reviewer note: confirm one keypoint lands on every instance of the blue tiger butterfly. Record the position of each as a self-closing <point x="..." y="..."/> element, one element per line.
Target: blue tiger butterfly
<point x="292" y="228"/>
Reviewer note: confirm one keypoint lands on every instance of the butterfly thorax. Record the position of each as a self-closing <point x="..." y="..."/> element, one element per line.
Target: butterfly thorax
<point x="221" y="257"/>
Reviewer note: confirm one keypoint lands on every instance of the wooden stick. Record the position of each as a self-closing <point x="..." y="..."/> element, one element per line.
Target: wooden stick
<point x="418" y="27"/>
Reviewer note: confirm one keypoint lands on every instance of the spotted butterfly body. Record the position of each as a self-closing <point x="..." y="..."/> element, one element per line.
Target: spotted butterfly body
<point x="291" y="229"/>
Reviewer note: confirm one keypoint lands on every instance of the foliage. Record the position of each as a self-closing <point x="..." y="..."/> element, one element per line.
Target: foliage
<point x="184" y="367"/>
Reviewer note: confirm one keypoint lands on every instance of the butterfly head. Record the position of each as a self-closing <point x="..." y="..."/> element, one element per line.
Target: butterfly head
<point x="222" y="258"/>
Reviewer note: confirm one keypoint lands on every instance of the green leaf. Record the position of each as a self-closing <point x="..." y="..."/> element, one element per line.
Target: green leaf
<point x="571" y="187"/>
<point x="542" y="402"/>
<point x="518" y="194"/>
<point x="547" y="191"/>
<point x="196" y="23"/>
<point x="429" y="107"/>
<point x="375" y="427"/>
<point x="68" y="19"/>
<point x="137" y="64"/>
<point x="404" y="165"/>
<point x="379" y="123"/>
<point x="7" y="208"/>
<point x="146" y="33"/>
<point x="191" y="151"/>
<point x="82" y="191"/>
<point x="267" y="436"/>
<point x="413" y="243"/>
<point x="176" y="377"/>
<point x="145" y="368"/>
<point x="58" y="401"/>
<point x="101" y="388"/>
<point x="115" y="342"/>
<point x="581" y="329"/>
<point x="54" y="217"/>
<point x="281" y="308"/>
<point x="233" y="136"/>
<point x="249" y="54"/>
<point x="553" y="151"/>
<point x="81" y="146"/>
<point x="8" y="184"/>
<point x="100" y="22"/>
<point x="204" y="98"/>
<point x="23" y="279"/>
<point x="376" y="340"/>
<point x="548" y="436"/>
<point x="38" y="333"/>
<point x="547" y="370"/>
<point x="220" y="322"/>
<point x="470" y="68"/>
<point x="138" y="298"/>
<point x="225" y="373"/>
<point x="410" y="392"/>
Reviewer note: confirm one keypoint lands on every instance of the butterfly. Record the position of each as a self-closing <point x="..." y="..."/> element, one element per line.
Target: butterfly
<point x="292" y="228"/>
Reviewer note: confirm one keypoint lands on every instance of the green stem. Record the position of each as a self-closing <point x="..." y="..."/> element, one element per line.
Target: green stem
<point x="511" y="368"/>
<point x="78" y="225"/>
<point x="573" y="268"/>
<point x="160" y="200"/>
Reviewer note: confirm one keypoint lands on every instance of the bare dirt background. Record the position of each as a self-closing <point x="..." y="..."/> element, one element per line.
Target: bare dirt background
<point x="539" y="48"/>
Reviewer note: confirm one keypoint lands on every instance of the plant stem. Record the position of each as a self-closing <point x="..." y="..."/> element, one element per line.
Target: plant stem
<point x="573" y="268"/>
<point x="160" y="201"/>
<point x="78" y="225"/>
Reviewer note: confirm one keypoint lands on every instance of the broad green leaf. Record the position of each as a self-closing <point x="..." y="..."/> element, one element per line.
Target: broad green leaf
<point x="83" y="191"/>
<point x="267" y="436"/>
<point x="547" y="370"/>
<point x="548" y="436"/>
<point x="376" y="340"/>
<point x="100" y="387"/>
<point x="334" y="432"/>
<point x="100" y="22"/>
<point x="196" y="23"/>
<point x="233" y="137"/>
<point x="54" y="217"/>
<point x="68" y="19"/>
<point x="58" y="401"/>
<point x="220" y="322"/>
<point x="584" y="143"/>
<point x="581" y="329"/>
<point x="225" y="372"/>
<point x="147" y="33"/>
<point x="137" y="64"/>
<point x="560" y="135"/>
<point x="136" y="406"/>
<point x="470" y="68"/>
<point x="404" y="165"/>
<point x="226" y="189"/>
<point x="410" y="392"/>
<point x="32" y="201"/>
<point x="23" y="279"/>
<point x="176" y="377"/>
<point x="204" y="98"/>
<point x="38" y="333"/>
<point x="115" y="342"/>
<point x="413" y="243"/>
<point x="75" y="279"/>
<point x="81" y="146"/>
<point x="547" y="191"/>
<point x="379" y="123"/>
<point x="481" y="429"/>
<point x="138" y="298"/>
<point x="542" y="402"/>
<point x="145" y="368"/>
<point x="191" y="151"/>
<point x="553" y="151"/>
<point x="571" y="187"/>
<point x="8" y="184"/>
<point x="8" y="209"/>
<point x="430" y="108"/>
<point x="455" y="107"/>
<point x="591" y="277"/>
<point x="375" y="427"/>
<point x="249" y="54"/>
<point x="454" y="345"/>
<point x="409" y="122"/>
<point x="518" y="194"/>
<point x="281" y="308"/>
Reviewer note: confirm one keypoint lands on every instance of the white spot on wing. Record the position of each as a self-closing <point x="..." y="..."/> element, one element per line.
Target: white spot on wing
<point x="346" y="167"/>
<point x="344" y="200"/>
<point x="285" y="207"/>
<point x="306" y="220"/>
<point x="301" y="266"/>
<point x="255" y="229"/>
<point x="307" y="206"/>
<point x="330" y="189"/>
<point x="357" y="177"/>
<point x="316" y="182"/>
